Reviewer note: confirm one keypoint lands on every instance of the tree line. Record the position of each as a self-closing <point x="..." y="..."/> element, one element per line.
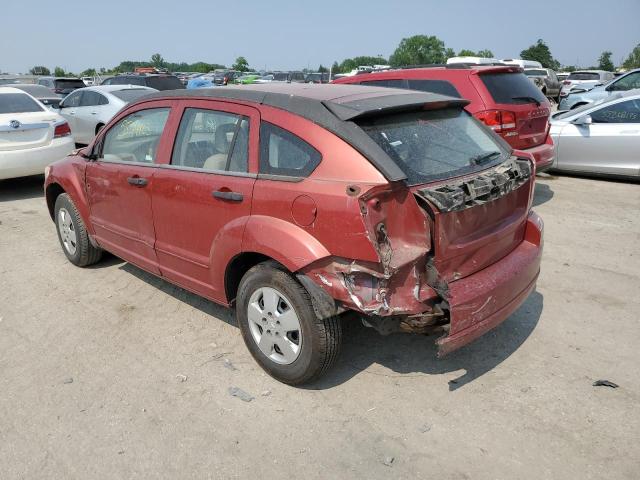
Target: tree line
<point x="415" y="50"/>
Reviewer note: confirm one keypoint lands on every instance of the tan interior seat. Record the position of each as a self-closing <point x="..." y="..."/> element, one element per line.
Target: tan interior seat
<point x="218" y="161"/>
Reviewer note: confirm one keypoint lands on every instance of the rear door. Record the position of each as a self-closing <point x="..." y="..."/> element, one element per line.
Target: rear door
<point x="611" y="144"/>
<point x="524" y="110"/>
<point x="120" y="182"/>
<point x="202" y="195"/>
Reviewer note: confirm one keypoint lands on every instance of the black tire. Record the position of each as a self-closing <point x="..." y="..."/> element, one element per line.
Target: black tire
<point x="321" y="338"/>
<point x="85" y="253"/>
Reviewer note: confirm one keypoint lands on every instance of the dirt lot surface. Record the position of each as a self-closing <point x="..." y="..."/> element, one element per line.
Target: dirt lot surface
<point x="109" y="372"/>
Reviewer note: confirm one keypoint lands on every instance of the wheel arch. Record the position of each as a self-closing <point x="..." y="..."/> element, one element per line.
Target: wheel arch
<point x="52" y="192"/>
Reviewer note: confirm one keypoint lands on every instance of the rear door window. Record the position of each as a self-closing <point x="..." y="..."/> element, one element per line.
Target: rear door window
<point x="91" y="99"/>
<point x="285" y="154"/>
<point x="73" y="99"/>
<point x="212" y="140"/>
<point x="512" y="88"/>
<point x="434" y="86"/>
<point x="18" y="103"/>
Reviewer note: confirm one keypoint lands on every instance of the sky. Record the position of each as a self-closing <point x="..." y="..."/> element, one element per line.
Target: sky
<point x="287" y="34"/>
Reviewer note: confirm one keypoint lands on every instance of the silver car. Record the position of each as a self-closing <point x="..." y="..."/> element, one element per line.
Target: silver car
<point x="578" y="97"/>
<point x="585" y="80"/>
<point x="601" y="138"/>
<point x="89" y="109"/>
<point x="550" y="85"/>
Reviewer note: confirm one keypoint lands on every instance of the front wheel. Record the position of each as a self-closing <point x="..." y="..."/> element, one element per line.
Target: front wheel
<point x="73" y="235"/>
<point x="280" y="328"/>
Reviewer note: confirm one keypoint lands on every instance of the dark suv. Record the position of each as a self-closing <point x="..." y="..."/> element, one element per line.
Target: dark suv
<point x="61" y="86"/>
<point x="157" y="81"/>
<point x="501" y="97"/>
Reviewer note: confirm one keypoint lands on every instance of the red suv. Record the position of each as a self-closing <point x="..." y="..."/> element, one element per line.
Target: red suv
<point x="502" y="97"/>
<point x="297" y="203"/>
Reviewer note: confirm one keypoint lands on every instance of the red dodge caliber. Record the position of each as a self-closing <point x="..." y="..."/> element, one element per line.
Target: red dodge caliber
<point x="297" y="203"/>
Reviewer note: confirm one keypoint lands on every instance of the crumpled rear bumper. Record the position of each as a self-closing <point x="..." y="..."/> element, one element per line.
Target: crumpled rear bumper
<point x="485" y="299"/>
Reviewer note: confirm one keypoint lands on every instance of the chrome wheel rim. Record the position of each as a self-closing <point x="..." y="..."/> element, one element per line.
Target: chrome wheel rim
<point x="67" y="231"/>
<point x="274" y="325"/>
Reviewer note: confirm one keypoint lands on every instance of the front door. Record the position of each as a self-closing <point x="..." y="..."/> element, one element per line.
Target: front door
<point x="202" y="196"/>
<point x="120" y="183"/>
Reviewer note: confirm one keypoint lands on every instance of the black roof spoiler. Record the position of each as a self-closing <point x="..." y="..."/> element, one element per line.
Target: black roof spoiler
<point x="387" y="104"/>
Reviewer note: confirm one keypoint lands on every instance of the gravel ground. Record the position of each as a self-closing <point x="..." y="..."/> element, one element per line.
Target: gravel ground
<point x="108" y="372"/>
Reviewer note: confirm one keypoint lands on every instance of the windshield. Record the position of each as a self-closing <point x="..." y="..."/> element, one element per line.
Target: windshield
<point x="583" y="76"/>
<point x="18" y="103"/>
<point x="437" y="144"/>
<point x="131" y="94"/>
<point x="512" y="88"/>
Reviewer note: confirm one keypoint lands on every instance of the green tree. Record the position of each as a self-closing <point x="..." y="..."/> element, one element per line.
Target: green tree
<point x="540" y="53"/>
<point x="569" y="68"/>
<point x="335" y="68"/>
<point x="418" y="50"/>
<point x="241" y="64"/>
<point x="467" y="53"/>
<point x="605" y="63"/>
<point x="40" y="70"/>
<point x="157" y="60"/>
<point x="89" y="72"/>
<point x="486" y="53"/>
<point x="449" y="52"/>
<point x="633" y="60"/>
<point x="322" y="69"/>
<point x="59" y="72"/>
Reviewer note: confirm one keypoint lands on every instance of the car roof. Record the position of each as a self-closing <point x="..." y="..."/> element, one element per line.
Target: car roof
<point x="333" y="107"/>
<point x="11" y="90"/>
<point x="346" y="102"/>
<point x="26" y="87"/>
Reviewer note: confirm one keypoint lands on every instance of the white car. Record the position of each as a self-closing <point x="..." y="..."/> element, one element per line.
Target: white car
<point x="31" y="135"/>
<point x="89" y="109"/>
<point x="584" y="79"/>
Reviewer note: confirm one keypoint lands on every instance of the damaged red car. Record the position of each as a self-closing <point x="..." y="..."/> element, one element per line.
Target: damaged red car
<point x="297" y="203"/>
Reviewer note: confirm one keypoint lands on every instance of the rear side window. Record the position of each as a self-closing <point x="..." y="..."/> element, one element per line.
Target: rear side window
<point x="434" y="86"/>
<point x="583" y="76"/>
<point x="18" y="103"/>
<point x="512" y="88"/>
<point x="285" y="154"/>
<point x="127" y="81"/>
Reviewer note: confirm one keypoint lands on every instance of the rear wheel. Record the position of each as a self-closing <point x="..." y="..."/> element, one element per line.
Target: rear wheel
<point x="280" y="328"/>
<point x="73" y="235"/>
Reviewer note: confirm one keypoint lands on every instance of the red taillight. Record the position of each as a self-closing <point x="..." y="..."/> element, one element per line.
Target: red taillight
<point x="500" y="121"/>
<point x="567" y="82"/>
<point x="62" y="130"/>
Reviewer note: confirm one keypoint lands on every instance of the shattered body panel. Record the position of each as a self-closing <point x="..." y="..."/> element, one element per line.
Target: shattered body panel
<point x="457" y="256"/>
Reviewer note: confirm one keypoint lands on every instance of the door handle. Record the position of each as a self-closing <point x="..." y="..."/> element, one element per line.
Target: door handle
<point x="94" y="113"/>
<point x="138" y="181"/>
<point x="226" y="195"/>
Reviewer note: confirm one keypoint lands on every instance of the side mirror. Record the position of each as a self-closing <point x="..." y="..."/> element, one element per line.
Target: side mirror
<point x="583" y="121"/>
